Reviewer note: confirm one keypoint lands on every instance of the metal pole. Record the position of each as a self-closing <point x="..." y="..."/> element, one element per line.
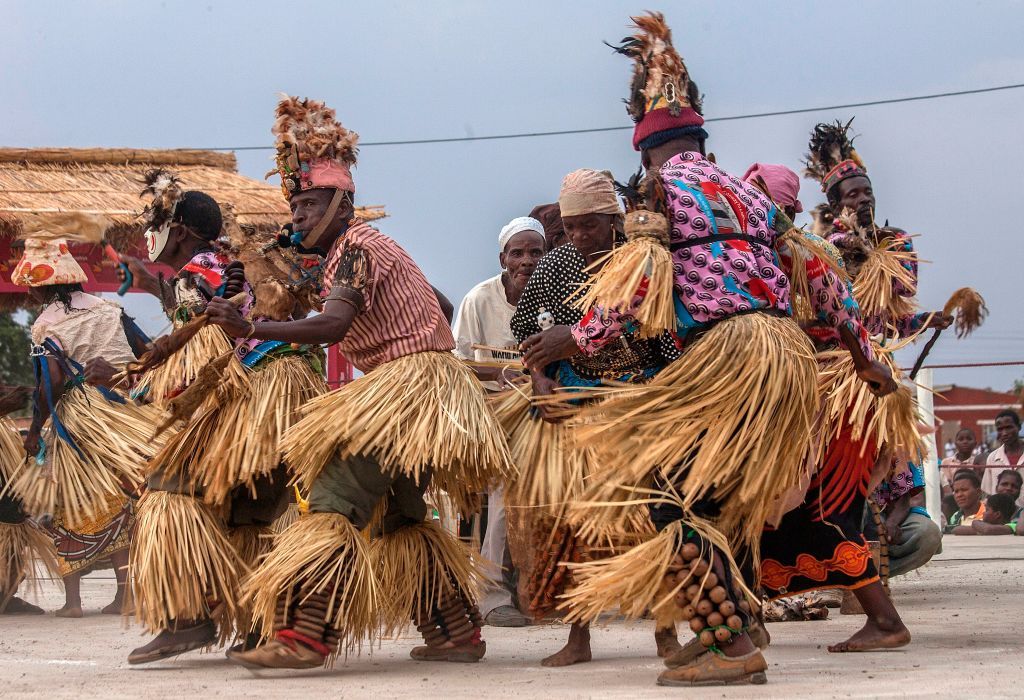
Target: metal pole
<point x="932" y="482"/>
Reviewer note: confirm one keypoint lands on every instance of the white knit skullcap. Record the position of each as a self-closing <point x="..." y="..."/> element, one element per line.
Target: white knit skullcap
<point x="518" y="225"/>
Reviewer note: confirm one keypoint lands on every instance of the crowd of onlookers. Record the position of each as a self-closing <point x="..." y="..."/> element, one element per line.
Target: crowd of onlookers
<point x="982" y="489"/>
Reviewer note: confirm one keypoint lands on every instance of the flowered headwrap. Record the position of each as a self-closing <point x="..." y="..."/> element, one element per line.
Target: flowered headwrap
<point x="47" y="262"/>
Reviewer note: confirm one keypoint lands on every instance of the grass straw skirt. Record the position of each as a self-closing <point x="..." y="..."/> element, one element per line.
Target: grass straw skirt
<point x="236" y="439"/>
<point x="183" y="367"/>
<point x="553" y="470"/>
<point x="551" y="467"/>
<point x="321" y="553"/>
<point x="731" y="420"/>
<point x="424" y="410"/>
<point x="182" y="563"/>
<point x="420" y="566"/>
<point x="114" y="440"/>
<point x="26" y="553"/>
<point x="850" y="406"/>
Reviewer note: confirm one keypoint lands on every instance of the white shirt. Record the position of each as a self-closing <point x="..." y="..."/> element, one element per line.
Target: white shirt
<point x="997" y="457"/>
<point x="92" y="328"/>
<point x="484" y="318"/>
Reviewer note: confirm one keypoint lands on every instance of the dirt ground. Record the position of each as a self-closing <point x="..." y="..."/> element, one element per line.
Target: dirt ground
<point x="964" y="610"/>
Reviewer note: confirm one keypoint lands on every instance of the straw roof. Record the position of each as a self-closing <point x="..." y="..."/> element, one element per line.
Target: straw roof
<point x="108" y="181"/>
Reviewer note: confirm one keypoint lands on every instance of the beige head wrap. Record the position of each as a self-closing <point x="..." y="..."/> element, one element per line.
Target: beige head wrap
<point x="588" y="192"/>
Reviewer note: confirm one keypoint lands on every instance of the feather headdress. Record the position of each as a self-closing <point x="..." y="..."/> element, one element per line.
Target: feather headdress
<point x="831" y="156"/>
<point x="313" y="148"/>
<point x="662" y="97"/>
<point x="163" y="187"/>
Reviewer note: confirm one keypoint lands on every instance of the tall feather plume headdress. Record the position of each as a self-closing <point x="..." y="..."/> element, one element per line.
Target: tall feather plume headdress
<point x="313" y="149"/>
<point x="831" y="157"/>
<point x="663" y="102"/>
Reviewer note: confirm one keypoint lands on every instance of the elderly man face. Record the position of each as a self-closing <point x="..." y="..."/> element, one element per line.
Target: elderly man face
<point x="520" y="257"/>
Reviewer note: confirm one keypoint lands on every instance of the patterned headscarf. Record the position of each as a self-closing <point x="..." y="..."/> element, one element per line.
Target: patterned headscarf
<point x="588" y="192"/>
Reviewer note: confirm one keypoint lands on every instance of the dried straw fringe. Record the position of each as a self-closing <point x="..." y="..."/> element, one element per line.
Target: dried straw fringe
<point x="418" y="567"/>
<point x="552" y="466"/>
<point x="970" y="309"/>
<point x="182" y="563"/>
<point x="115" y="440"/>
<point x="26" y="553"/>
<point x="732" y="419"/>
<point x="633" y="581"/>
<point x="421" y="410"/>
<point x="321" y="553"/>
<point x="183" y="367"/>
<point x="288" y="518"/>
<point x="642" y="262"/>
<point x="237" y="440"/>
<point x="808" y="250"/>
<point x="891" y="420"/>
<point x="12" y="452"/>
<point x="553" y="472"/>
<point x="874" y="288"/>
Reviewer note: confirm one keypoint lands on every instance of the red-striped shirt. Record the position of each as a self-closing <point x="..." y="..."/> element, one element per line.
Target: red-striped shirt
<point x="401" y="314"/>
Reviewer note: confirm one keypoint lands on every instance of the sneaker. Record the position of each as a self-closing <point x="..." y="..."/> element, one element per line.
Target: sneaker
<point x="463" y="654"/>
<point x="506" y="616"/>
<point x="277" y="654"/>
<point x="714" y="669"/>
<point x="171" y="643"/>
<point x="693" y="648"/>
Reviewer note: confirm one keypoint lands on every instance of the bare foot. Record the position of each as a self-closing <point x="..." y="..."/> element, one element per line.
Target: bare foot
<point x="575" y="651"/>
<point x="116" y="607"/>
<point x="667" y="641"/>
<point x="568" y="655"/>
<point x="69" y="611"/>
<point x="873" y="636"/>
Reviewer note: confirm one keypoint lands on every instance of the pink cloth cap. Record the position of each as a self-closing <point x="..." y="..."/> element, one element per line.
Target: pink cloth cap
<point x="783" y="184"/>
<point x="324" y="172"/>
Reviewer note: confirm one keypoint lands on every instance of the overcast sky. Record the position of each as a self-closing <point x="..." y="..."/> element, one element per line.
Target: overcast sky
<point x="206" y="74"/>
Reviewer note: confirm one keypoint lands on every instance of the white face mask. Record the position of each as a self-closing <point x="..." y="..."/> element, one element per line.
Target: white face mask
<point x="156" y="240"/>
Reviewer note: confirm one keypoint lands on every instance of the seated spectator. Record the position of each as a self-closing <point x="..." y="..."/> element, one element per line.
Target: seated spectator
<point x="970" y="506"/>
<point x="998" y="517"/>
<point x="913" y="536"/>
<point x="1010" y="452"/>
<point x="1010" y="483"/>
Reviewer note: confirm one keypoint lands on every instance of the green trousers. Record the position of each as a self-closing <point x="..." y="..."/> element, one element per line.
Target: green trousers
<point x="355" y="485"/>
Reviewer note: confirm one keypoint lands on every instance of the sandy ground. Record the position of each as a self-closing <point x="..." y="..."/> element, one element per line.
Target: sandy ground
<point x="964" y="610"/>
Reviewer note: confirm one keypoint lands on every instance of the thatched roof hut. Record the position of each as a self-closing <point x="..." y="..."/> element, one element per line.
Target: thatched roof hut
<point x="108" y="181"/>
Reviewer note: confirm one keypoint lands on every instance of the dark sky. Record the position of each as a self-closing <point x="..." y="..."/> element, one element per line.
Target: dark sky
<point x="206" y="74"/>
